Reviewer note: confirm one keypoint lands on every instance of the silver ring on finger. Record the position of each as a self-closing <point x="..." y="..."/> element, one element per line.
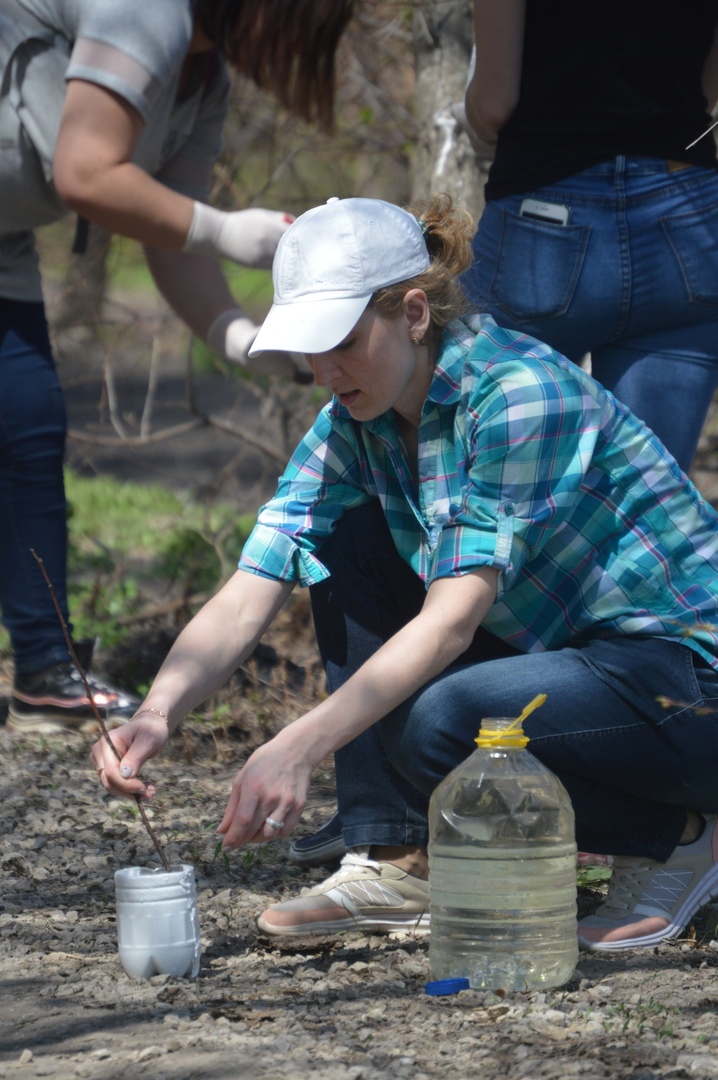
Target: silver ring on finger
<point x="274" y="824"/>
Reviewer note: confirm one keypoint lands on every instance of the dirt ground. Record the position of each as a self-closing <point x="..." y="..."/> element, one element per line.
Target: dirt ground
<point x="346" y="1008"/>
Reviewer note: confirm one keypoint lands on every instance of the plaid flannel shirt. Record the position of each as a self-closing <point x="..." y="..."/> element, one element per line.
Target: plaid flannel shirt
<point x="525" y="464"/>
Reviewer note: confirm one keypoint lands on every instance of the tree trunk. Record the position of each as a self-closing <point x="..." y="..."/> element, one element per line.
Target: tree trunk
<point x="444" y="160"/>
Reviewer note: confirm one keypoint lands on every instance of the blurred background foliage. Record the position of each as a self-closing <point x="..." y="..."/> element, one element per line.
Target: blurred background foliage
<point x="171" y="451"/>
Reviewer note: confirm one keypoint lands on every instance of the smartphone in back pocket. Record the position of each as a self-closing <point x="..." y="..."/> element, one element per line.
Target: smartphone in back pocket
<point x="554" y="213"/>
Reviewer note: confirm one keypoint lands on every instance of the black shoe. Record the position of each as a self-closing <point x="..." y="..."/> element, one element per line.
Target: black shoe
<point x="324" y="846"/>
<point x="55" y="700"/>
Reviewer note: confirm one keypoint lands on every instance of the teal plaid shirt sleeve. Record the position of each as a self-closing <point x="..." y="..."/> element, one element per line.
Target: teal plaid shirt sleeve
<point x="322" y="480"/>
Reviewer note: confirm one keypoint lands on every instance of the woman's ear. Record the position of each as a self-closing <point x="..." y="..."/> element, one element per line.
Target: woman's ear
<point x="416" y="313"/>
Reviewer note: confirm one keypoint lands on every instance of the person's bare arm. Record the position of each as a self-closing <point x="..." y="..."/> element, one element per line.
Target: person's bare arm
<point x="275" y="780"/>
<point x="194" y="286"/>
<point x="493" y="91"/>
<point x="183" y="239"/>
<point x="212" y="645"/>
<point x="94" y="174"/>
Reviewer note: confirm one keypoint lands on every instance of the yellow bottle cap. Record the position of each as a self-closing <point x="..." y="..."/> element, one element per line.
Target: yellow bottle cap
<point x="492" y="736"/>
<point x="502" y="731"/>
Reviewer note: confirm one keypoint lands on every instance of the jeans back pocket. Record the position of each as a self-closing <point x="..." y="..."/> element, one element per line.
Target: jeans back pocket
<point x="693" y="240"/>
<point x="537" y="266"/>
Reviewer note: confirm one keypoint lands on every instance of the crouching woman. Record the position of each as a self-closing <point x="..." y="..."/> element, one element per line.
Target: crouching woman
<point x="477" y="521"/>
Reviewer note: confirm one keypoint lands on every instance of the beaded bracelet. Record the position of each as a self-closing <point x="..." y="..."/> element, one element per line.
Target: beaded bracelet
<point x="156" y="712"/>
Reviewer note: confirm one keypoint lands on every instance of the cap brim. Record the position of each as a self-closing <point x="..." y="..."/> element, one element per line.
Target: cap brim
<point x="309" y="326"/>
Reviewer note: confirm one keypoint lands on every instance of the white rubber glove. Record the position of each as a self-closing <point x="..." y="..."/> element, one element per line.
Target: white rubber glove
<point x="249" y="237"/>
<point x="231" y="336"/>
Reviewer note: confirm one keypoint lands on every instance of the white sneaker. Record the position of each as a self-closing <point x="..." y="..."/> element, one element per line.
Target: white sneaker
<point x="361" y="895"/>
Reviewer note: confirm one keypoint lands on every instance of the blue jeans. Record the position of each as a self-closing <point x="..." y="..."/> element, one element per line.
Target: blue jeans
<point x="631" y="765"/>
<point x="32" y="492"/>
<point x="632" y="279"/>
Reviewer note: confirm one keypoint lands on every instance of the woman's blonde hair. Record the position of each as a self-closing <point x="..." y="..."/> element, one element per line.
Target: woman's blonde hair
<point x="448" y="232"/>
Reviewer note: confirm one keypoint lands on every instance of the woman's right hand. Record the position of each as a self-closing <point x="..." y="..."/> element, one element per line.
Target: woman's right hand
<point x="270" y="788"/>
<point x="136" y="743"/>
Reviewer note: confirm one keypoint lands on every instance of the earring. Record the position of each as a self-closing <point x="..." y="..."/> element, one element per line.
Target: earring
<point x="416" y="337"/>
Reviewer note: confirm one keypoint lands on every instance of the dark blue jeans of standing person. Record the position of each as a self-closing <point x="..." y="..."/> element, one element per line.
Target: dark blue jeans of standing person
<point x="631" y="765"/>
<point x="632" y="279"/>
<point x="32" y="492"/>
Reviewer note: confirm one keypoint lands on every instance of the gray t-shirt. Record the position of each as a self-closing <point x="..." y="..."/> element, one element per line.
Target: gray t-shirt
<point x="134" y="48"/>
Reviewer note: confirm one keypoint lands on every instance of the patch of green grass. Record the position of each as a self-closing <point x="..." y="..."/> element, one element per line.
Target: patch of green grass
<point x="590" y="876"/>
<point x="653" y="1013"/>
<point x="127" y="269"/>
<point x="133" y="543"/>
<point x="121" y="516"/>
<point x="144" y="519"/>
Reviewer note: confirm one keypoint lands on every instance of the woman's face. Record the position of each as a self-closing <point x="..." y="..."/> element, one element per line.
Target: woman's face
<point x="378" y="367"/>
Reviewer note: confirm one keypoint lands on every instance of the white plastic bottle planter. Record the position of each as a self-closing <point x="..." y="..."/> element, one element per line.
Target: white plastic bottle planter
<point x="157" y="922"/>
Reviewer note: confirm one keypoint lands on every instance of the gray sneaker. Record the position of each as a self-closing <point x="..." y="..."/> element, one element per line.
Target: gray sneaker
<point x="649" y="901"/>
<point x="361" y="895"/>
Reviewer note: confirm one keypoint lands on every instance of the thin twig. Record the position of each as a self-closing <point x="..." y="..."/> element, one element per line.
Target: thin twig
<point x="200" y="420"/>
<point x="112" y="401"/>
<point x="703" y="135"/>
<point x="251" y="440"/>
<point x="105" y="733"/>
<point x="139" y="440"/>
<point x="146" y="421"/>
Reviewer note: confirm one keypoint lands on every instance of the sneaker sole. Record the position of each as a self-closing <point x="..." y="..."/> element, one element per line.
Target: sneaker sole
<point x="329" y="851"/>
<point x="40" y="724"/>
<point x="386" y="924"/>
<point x="707" y="891"/>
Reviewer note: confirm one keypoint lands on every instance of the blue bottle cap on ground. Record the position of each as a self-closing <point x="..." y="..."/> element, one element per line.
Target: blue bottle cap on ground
<point x="446" y="986"/>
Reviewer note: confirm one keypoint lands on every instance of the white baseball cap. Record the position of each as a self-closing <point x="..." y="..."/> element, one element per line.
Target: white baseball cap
<point x="327" y="267"/>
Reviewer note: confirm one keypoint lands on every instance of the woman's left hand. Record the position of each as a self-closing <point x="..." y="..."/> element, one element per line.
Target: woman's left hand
<point x="135" y="743"/>
<point x="268" y="796"/>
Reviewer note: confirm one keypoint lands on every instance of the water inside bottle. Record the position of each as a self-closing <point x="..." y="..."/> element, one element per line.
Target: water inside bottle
<point x="503" y="874"/>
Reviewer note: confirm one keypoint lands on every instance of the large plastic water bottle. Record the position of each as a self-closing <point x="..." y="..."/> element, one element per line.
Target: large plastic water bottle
<point x="502" y="864"/>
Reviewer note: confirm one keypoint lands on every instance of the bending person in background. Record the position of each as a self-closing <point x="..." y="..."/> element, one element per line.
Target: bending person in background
<point x="477" y="520"/>
<point x="115" y="110"/>
<point x="599" y="233"/>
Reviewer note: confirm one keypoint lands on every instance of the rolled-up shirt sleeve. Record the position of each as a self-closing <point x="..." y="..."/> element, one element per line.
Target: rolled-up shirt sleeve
<point x="527" y="434"/>
<point x="321" y="481"/>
